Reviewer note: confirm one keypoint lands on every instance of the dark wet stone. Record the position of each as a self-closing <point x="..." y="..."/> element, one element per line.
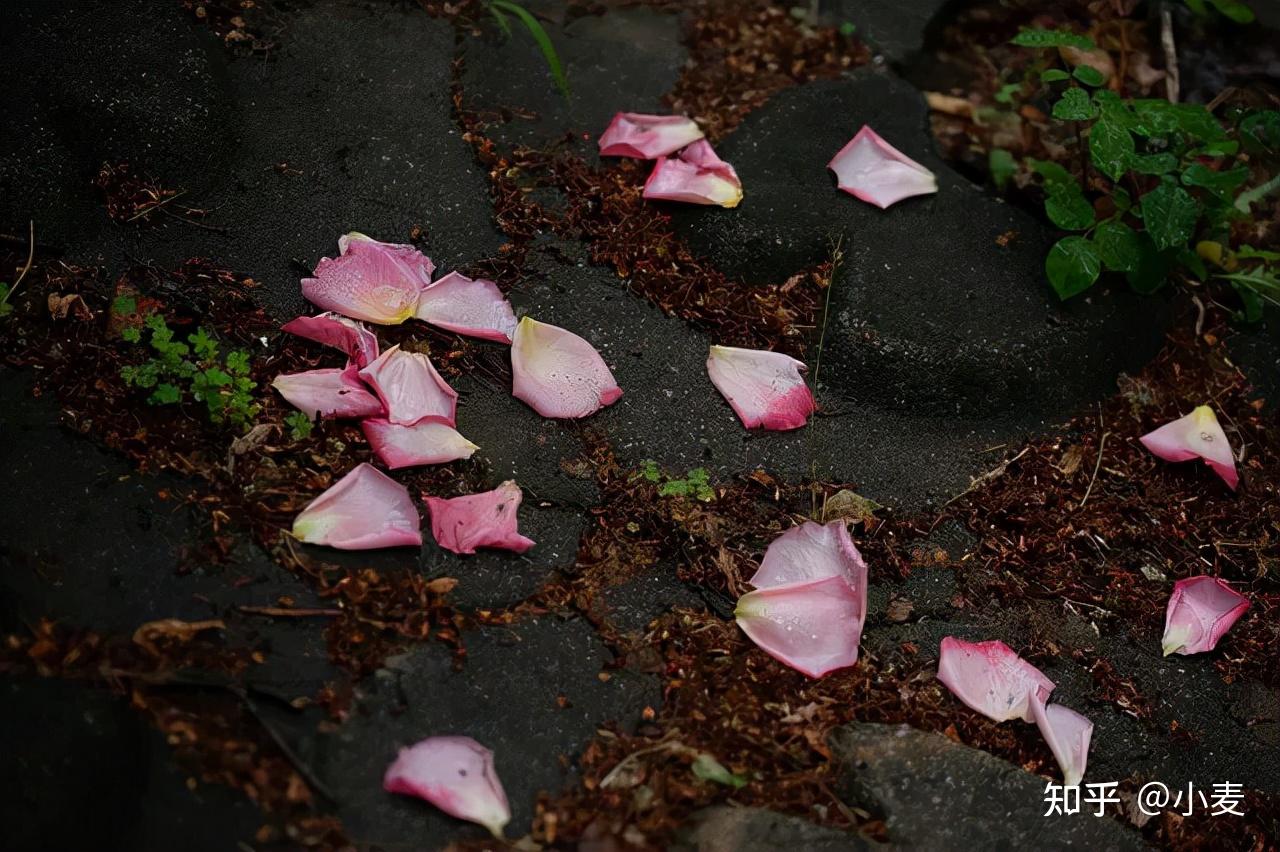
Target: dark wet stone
<point x="729" y="829"/>
<point x="1256" y="348"/>
<point x="631" y="605"/>
<point x="897" y="31"/>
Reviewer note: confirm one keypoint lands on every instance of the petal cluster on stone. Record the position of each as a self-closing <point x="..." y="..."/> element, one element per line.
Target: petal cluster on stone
<point x="365" y="509"/>
<point x="410" y="388"/>
<point x="358" y="342"/>
<point x="1068" y="734"/>
<point x="1200" y="611"/>
<point x="695" y="175"/>
<point x="428" y="441"/>
<point x="765" y="389"/>
<point x="557" y="373"/>
<point x="871" y="169"/>
<point x="488" y="519"/>
<point x="1197" y="435"/>
<point x="465" y="306"/>
<point x="647" y="137"/>
<point x="457" y="775"/>
<point x="370" y="280"/>
<point x="328" y="393"/>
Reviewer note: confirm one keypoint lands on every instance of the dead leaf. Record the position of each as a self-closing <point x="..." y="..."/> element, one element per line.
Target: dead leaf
<point x="60" y="306"/>
<point x="171" y="628"/>
<point x="949" y="104"/>
<point x="899" y="610"/>
<point x="442" y="585"/>
<point x="1071" y="460"/>
<point x="848" y="506"/>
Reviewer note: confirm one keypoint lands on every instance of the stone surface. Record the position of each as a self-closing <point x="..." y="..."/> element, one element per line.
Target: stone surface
<point x="729" y="829"/>
<point x="896" y="31"/>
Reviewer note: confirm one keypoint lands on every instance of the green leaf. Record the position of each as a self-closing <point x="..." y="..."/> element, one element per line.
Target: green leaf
<point x="1067" y="207"/>
<point x="300" y="425"/>
<point x="707" y="768"/>
<point x="1250" y="301"/>
<point x="165" y="394"/>
<point x="1114" y="110"/>
<point x="1153" y="164"/>
<point x="238" y="362"/>
<point x="1152" y="270"/>
<point x="1074" y="105"/>
<point x="1006" y="92"/>
<point x="501" y="20"/>
<point x="131" y="334"/>
<point x="674" y="488"/>
<point x="1255" y="286"/>
<point x="1169" y="213"/>
<point x="123" y="306"/>
<point x="1222" y="184"/>
<point x="1002" y="166"/>
<point x="1221" y="148"/>
<point x="1054" y="75"/>
<point x="1260" y="132"/>
<point x="1160" y="118"/>
<point x="1120" y="196"/>
<point x="1235" y="10"/>
<point x="1260" y="254"/>
<point x="649" y="470"/>
<point x="1052" y="173"/>
<point x="205" y="346"/>
<point x="1110" y="148"/>
<point x="848" y="28"/>
<point x="1052" y="38"/>
<point x="1089" y="75"/>
<point x="1072" y="266"/>
<point x="1191" y="261"/>
<point x="541" y="38"/>
<point x="1118" y="246"/>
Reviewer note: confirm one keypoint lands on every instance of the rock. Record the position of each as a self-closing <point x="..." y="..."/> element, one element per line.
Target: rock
<point x="1256" y="348"/>
<point x="896" y="31"/>
<point x="730" y="829"/>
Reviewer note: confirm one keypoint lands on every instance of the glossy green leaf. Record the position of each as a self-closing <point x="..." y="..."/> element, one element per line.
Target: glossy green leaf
<point x="1118" y="245"/>
<point x="1002" y="166"/>
<point x="1075" y="105"/>
<point x="1089" y="75"/>
<point x="1110" y="148"/>
<point x="1169" y="213"/>
<point x="1054" y="75"/>
<point x="1072" y="265"/>
<point x="1223" y="183"/>
<point x="1052" y="38"/>
<point x="1067" y="207"/>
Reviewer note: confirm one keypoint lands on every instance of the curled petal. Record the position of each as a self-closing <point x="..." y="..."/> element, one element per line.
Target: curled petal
<point x="455" y="774"/>
<point x="990" y="678"/>
<point x="873" y="170"/>
<point x="695" y="175"/>
<point x="464" y="306"/>
<point x="812" y="552"/>
<point x="813" y="627"/>
<point x="328" y="393"/>
<point x="1197" y="435"/>
<point x="765" y="389"/>
<point x="371" y="281"/>
<point x="410" y="388"/>
<point x="557" y="373"/>
<point x="1068" y="734"/>
<point x="363" y="510"/>
<point x="425" y="442"/>
<point x="360" y="344"/>
<point x="647" y="137"/>
<point x="462" y="524"/>
<point x="1200" y="611"/>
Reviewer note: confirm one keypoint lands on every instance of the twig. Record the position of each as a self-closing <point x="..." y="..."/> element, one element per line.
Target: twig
<point x="1102" y="445"/>
<point x="31" y="253"/>
<point x="1199" y="317"/>
<point x="217" y="229"/>
<point x="285" y="612"/>
<point x="1170" y="55"/>
<point x="984" y="478"/>
<point x="156" y="206"/>
<point x="836" y="257"/>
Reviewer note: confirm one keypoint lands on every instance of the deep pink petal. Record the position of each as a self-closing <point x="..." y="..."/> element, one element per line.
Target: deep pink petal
<point x="462" y="524"/>
<point x="1200" y="611"/>
<point x="410" y="388"/>
<point x="557" y="373"/>
<point x="647" y="137"/>
<point x="425" y="442"/>
<point x="455" y="774"/>
<point x="360" y="344"/>
<point x="464" y="306"/>
<point x="813" y="627"/>
<point x="695" y="176"/>
<point x="363" y="510"/>
<point x="873" y="170"/>
<point x="1068" y="734"/>
<point x="812" y="552"/>
<point x="371" y="281"/>
<point x="328" y="393"/>
<point x="990" y="678"/>
<point x="764" y="388"/>
<point x="1197" y="435"/>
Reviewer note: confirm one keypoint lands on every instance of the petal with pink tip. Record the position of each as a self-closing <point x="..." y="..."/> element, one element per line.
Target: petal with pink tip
<point x="1200" y="611"/>
<point x="462" y="524"/>
<point x="696" y="176"/>
<point x="647" y="137"/>
<point x="360" y="344"/>
<point x="456" y="774"/>
<point x="363" y="510"/>
<point x="813" y="627"/>
<point x="871" y="169"/>
<point x="812" y="552"/>
<point x="764" y="388"/>
<point x="557" y="373"/>
<point x="328" y="393"/>
<point x="1068" y="734"/>
<point x="464" y="306"/>
<point x="425" y="442"/>
<point x="371" y="281"/>
<point x="990" y="678"/>
<point x="1197" y="435"/>
<point x="410" y="388"/>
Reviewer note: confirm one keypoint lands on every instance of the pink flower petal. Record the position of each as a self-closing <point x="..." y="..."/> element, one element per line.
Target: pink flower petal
<point x="363" y="510"/>
<point x="873" y="170"/>
<point x="410" y="388"/>
<point x="360" y="344"/>
<point x="462" y="524"/>
<point x="328" y="393"/>
<point x="1197" y="435"/>
<point x="695" y="175"/>
<point x="1200" y="611"/>
<point x="647" y="137"/>
<point x="813" y="627"/>
<point x="425" y="442"/>
<point x="990" y="678"/>
<point x="557" y="373"/>
<point x="455" y="774"/>
<point x="371" y="281"/>
<point x="812" y="552"/>
<point x="1068" y="734"/>
<point x="457" y="303"/>
<point x="765" y="389"/>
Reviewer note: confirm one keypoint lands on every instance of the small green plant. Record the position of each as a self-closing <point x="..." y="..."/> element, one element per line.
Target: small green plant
<point x="5" y="307"/>
<point x="1233" y="9"/>
<point x="300" y="426"/>
<point x="696" y="483"/>
<point x="499" y="9"/>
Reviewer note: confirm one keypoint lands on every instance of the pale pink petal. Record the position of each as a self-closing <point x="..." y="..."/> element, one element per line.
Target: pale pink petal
<point x="410" y="388"/>
<point x="764" y="388"/>
<point x="455" y="774"/>
<point x="462" y="524"/>
<point x="1068" y="734"/>
<point x="647" y="137"/>
<point x="363" y="510"/>
<point x="1200" y="611"/>
<point x="990" y="678"/>
<point x="371" y="281"/>
<point x="812" y="552"/>
<point x="360" y="344"/>
<point x="873" y="170"/>
<point x="425" y="442"/>
<point x="464" y="306"/>
<point x="813" y="626"/>
<point x="557" y="373"/>
<point x="1197" y="435"/>
<point x="695" y="175"/>
<point x="328" y="393"/>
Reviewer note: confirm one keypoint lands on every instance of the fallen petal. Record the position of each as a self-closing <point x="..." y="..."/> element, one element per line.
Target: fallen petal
<point x="462" y="524"/>
<point x="1200" y="611"/>
<point x="426" y="442"/>
<point x="873" y="170"/>
<point x="812" y="552"/>
<point x="363" y="510"/>
<point x="464" y="306"/>
<point x="990" y="678"/>
<point x="647" y="137"/>
<point x="764" y="388"/>
<point x="1068" y="734"/>
<point x="410" y="388"/>
<point x="557" y="373"/>
<point x="328" y="393"/>
<point x="695" y="175"/>
<point x="813" y="627"/>
<point x="360" y="344"/>
<point x="371" y="281"/>
<point x="1197" y="435"/>
<point x="455" y="774"/>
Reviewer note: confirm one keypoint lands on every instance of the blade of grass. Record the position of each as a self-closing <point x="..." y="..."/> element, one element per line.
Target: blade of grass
<point x="541" y="38"/>
<point x="502" y="21"/>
